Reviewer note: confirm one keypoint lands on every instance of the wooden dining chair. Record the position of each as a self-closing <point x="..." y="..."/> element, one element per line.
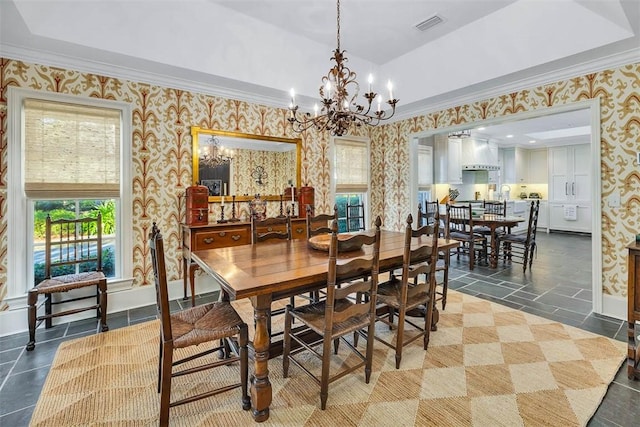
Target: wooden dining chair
<point x="521" y="247"/>
<point x="321" y="223"/>
<point x="271" y="228"/>
<point x="337" y="315"/>
<point x="493" y="207"/>
<point x="355" y="216"/>
<point x="459" y="226"/>
<point x="430" y="216"/>
<point x="73" y="260"/>
<point x="415" y="288"/>
<point x="204" y="324"/>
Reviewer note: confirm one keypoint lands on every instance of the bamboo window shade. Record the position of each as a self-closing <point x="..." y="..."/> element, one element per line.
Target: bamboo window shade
<point x="71" y="150"/>
<point x="352" y="166"/>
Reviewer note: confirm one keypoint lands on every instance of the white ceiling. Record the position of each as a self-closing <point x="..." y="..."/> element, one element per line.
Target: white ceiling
<point x="573" y="127"/>
<point x="258" y="49"/>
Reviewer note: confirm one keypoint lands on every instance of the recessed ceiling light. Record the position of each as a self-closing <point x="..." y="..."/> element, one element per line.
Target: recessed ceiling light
<point x="481" y="128"/>
<point x="509" y="136"/>
<point x="533" y="141"/>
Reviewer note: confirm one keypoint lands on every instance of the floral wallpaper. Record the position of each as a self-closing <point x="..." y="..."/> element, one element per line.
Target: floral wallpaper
<point x="161" y="149"/>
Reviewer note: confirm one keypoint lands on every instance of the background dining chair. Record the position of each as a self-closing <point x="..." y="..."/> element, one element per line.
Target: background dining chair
<point x="321" y="223"/>
<point x="407" y="293"/>
<point x="459" y="226"/>
<point x="492" y="207"/>
<point x="337" y="316"/>
<point x="203" y="324"/>
<point x="521" y="247"/>
<point x="73" y="260"/>
<point x="270" y="228"/>
<point x="355" y="216"/>
<point x="429" y="216"/>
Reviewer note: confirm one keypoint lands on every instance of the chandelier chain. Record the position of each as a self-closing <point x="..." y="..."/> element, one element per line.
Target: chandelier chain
<point x="338" y="19"/>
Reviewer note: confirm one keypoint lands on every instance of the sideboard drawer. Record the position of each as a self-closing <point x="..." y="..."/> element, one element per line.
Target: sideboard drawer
<point x="221" y="238"/>
<point x="298" y="228"/>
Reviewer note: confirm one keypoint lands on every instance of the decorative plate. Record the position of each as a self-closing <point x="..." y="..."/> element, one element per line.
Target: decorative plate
<point x="322" y="242"/>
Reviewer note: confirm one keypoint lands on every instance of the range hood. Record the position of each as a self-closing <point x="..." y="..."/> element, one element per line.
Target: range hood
<point x="480" y="167"/>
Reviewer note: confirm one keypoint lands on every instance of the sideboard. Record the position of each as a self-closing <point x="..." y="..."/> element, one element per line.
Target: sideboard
<point x="633" y="296"/>
<point x="214" y="235"/>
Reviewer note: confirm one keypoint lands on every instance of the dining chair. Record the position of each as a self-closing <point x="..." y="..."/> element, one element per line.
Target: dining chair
<point x="271" y="228"/>
<point x="431" y="215"/>
<point x="355" y="216"/>
<point x="190" y="327"/>
<point x="521" y="247"/>
<point x="459" y="226"/>
<point x="73" y="260"/>
<point x="321" y="223"/>
<point x="493" y="207"/>
<point x="409" y="292"/>
<point x="337" y="315"/>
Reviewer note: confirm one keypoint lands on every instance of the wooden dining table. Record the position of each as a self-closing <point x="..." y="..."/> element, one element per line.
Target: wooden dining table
<point x="493" y="222"/>
<point x="272" y="271"/>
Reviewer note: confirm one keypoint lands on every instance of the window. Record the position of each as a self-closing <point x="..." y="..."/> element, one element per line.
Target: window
<point x="69" y="157"/>
<point x="351" y="175"/>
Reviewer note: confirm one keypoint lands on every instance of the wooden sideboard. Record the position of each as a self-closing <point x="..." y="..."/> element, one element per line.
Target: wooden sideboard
<point x="633" y="295"/>
<point x="214" y="235"/>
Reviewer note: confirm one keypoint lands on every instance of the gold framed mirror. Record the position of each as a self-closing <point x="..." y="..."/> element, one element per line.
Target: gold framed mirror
<point x="242" y="164"/>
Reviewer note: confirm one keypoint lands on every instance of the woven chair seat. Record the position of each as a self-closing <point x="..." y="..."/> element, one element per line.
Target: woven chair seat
<point x="69" y="281"/>
<point x="389" y="293"/>
<point x="313" y="315"/>
<point x="204" y="323"/>
<point x="464" y="236"/>
<point x="517" y="238"/>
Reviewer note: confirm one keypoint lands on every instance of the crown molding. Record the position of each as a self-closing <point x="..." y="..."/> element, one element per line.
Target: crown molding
<point x="251" y="94"/>
<point x="233" y="89"/>
<point x="468" y="95"/>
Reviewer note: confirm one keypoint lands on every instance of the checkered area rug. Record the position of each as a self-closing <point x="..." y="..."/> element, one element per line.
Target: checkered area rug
<point x="487" y="365"/>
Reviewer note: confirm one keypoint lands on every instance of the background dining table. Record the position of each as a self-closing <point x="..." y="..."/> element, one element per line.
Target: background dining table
<point x="268" y="272"/>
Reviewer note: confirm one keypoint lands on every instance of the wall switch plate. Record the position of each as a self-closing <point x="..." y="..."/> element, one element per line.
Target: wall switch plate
<point x="614" y="200"/>
<point x="638" y="160"/>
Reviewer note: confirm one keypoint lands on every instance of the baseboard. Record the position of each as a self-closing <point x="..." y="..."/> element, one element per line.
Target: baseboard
<point x="14" y="321"/>
<point x="615" y="307"/>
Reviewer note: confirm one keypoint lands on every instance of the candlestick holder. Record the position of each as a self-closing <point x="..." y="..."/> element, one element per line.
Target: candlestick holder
<point x="222" y="220"/>
<point x="233" y="210"/>
<point x="282" y="215"/>
<point x="293" y="209"/>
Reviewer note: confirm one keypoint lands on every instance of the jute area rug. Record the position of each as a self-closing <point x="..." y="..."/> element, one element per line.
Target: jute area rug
<point x="487" y="365"/>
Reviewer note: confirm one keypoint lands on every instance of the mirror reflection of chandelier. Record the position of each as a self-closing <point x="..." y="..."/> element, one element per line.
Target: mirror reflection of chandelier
<point x="339" y="91"/>
<point x="213" y="154"/>
<point x="465" y="133"/>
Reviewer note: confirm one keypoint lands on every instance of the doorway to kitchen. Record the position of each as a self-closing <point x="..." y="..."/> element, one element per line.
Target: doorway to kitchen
<point x="592" y="108"/>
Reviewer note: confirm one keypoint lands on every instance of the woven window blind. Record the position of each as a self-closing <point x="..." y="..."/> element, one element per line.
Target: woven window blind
<point x="71" y="151"/>
<point x="352" y="166"/>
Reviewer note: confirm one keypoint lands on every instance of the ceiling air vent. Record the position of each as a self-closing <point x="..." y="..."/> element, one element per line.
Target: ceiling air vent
<point x="429" y="22"/>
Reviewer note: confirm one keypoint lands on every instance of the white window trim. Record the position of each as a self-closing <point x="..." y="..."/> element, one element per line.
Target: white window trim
<point x="332" y="153"/>
<point x="18" y="209"/>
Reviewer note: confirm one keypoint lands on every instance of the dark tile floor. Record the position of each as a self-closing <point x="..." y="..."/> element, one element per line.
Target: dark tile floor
<point x="558" y="287"/>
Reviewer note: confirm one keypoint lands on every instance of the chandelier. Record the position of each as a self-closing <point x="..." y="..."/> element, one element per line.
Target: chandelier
<point x="465" y="133"/>
<point x="213" y="154"/>
<point x="339" y="92"/>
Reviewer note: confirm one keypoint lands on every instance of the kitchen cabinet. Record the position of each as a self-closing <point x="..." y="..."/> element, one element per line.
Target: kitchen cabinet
<point x="515" y="165"/>
<point x="538" y="170"/>
<point x="570" y="188"/>
<point x="543" y="215"/>
<point x="448" y="164"/>
<point x="425" y="165"/>
<point x="519" y="208"/>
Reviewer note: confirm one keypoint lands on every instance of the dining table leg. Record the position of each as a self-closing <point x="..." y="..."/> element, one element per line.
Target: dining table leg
<point x="493" y="259"/>
<point x="261" y="393"/>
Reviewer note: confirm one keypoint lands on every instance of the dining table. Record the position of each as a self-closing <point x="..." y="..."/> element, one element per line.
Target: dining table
<point x="272" y="271"/>
<point x="494" y="222"/>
